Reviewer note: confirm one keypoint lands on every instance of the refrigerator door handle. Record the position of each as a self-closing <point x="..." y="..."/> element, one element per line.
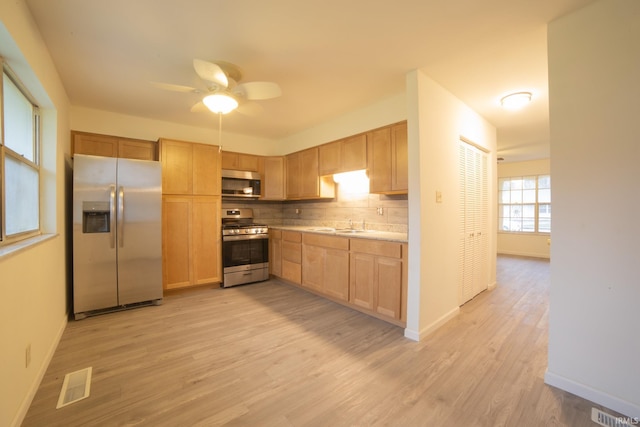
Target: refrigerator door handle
<point x="112" y="216"/>
<point x="121" y="217"/>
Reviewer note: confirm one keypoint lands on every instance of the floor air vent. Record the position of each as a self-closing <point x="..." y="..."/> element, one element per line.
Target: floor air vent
<point x="76" y="386"/>
<point x="604" y="419"/>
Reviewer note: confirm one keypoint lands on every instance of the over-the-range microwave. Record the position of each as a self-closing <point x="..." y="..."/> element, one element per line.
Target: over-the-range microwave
<point x="240" y="184"/>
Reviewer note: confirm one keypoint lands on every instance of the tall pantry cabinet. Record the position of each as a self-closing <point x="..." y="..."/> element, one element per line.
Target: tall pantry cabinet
<point x="191" y="205"/>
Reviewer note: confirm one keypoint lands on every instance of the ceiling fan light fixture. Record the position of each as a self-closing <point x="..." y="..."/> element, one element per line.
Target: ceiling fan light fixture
<point x="220" y="103"/>
<point x="515" y="101"/>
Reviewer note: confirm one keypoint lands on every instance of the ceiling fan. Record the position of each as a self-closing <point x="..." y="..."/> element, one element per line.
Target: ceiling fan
<point x="223" y="93"/>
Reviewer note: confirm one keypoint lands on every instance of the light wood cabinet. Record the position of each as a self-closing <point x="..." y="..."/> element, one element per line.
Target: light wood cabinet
<point x="240" y="161"/>
<point x="275" y="252"/>
<point x="190" y="168"/>
<point x="191" y="206"/>
<point x="377" y="277"/>
<point x="302" y="177"/>
<point x="325" y="265"/>
<point x="365" y="274"/>
<point x="388" y="159"/>
<point x="345" y="155"/>
<point x="113" y="146"/>
<point x="176" y="241"/>
<point x="273" y="178"/>
<point x="292" y="256"/>
<point x="190" y="240"/>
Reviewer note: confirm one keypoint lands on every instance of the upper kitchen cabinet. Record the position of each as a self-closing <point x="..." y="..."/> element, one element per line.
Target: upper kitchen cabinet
<point x="190" y="168"/>
<point x="345" y="155"/>
<point x="387" y="159"/>
<point x="113" y="146"/>
<point x="240" y="161"/>
<point x="273" y="181"/>
<point x="303" y="180"/>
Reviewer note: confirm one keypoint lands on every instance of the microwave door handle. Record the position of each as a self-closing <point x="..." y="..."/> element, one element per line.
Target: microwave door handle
<point x="121" y="217"/>
<point x="112" y="216"/>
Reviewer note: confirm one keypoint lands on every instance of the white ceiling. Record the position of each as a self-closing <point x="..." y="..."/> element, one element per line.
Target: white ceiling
<point x="329" y="57"/>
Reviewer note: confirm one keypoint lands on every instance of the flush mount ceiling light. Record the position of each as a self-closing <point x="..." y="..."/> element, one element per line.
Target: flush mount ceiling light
<point x="515" y="101"/>
<point x="220" y="103"/>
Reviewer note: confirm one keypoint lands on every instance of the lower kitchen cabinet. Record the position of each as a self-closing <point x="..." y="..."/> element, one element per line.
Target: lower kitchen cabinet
<point x="275" y="252"/>
<point x="190" y="241"/>
<point x="377" y="276"/>
<point x="292" y="256"/>
<point x="325" y="265"/>
<point x="365" y="274"/>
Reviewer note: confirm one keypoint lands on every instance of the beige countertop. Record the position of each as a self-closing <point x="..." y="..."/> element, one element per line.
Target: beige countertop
<point x="366" y="234"/>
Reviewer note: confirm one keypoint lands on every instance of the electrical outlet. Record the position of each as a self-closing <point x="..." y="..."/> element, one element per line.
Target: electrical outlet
<point x="27" y="356"/>
<point x="380" y="210"/>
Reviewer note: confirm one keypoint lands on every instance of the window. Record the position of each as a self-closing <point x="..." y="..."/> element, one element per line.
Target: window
<point x="524" y="204"/>
<point x="19" y="162"/>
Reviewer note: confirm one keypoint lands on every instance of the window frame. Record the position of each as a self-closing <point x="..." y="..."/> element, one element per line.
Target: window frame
<point x="5" y="151"/>
<point x="536" y="204"/>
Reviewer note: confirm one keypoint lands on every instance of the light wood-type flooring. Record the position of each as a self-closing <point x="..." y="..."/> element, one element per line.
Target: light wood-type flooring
<point x="269" y="354"/>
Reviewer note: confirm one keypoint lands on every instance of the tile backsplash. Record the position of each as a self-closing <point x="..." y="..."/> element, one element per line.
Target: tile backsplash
<point x="379" y="212"/>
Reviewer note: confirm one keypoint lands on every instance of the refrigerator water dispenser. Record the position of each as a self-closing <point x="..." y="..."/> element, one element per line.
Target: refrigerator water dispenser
<point x="96" y="217"/>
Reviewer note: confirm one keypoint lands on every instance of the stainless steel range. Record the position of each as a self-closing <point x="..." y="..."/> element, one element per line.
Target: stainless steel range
<point x="245" y="248"/>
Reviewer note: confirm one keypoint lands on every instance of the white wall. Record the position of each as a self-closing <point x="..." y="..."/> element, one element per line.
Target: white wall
<point x="33" y="281"/>
<point x="437" y="121"/>
<point x="594" y="69"/>
<point x="108" y="123"/>
<point x="382" y="113"/>
<point x="533" y="245"/>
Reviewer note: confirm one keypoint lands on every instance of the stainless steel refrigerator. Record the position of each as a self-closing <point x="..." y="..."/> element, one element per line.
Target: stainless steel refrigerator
<point x="117" y="234"/>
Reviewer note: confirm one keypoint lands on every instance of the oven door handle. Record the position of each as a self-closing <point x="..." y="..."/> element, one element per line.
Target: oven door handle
<point x="244" y="237"/>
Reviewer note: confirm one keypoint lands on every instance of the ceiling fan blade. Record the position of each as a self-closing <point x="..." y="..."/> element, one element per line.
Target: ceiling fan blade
<point x="199" y="107"/>
<point x="250" y="109"/>
<point x="174" y="88"/>
<point x="210" y="72"/>
<point x="258" y="90"/>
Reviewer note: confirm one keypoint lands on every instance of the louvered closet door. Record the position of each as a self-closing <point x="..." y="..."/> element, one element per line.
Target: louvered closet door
<point x="473" y="222"/>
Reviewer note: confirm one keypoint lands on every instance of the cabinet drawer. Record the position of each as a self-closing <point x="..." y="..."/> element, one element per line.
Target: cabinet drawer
<point x="376" y="247"/>
<point x="275" y="234"/>
<point x="292" y="236"/>
<point x="326" y="241"/>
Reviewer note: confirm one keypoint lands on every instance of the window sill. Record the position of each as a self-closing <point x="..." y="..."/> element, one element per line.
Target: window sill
<point x="14" y="248"/>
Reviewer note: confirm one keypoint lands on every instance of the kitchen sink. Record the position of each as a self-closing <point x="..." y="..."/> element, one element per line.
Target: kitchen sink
<point x="324" y="229"/>
<point x="350" y="231"/>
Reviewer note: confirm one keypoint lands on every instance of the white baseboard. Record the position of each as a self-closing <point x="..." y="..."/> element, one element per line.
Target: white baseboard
<point x="418" y="335"/>
<point x="26" y="403"/>
<point x="624" y="407"/>
<point x="525" y="254"/>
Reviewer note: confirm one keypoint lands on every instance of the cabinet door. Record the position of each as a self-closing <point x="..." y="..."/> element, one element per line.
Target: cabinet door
<point x="135" y="149"/>
<point x="313" y="261"/>
<point x="293" y="176"/>
<point x="273" y="183"/>
<point x="176" y="241"/>
<point x="94" y="145"/>
<point x="239" y="161"/>
<point x="206" y="240"/>
<point x="275" y="252"/>
<point x="379" y="160"/>
<point x="177" y="167"/>
<point x="206" y="170"/>
<point x="388" y="283"/>
<point x="354" y="153"/>
<point x="309" y="173"/>
<point x="336" y="274"/>
<point x="361" y="281"/>
<point x="399" y="158"/>
<point x="329" y="158"/>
